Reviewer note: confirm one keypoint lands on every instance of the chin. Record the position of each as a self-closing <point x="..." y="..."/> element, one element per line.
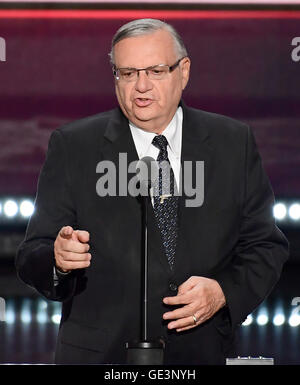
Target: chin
<point x="144" y="116"/>
<point x="142" y="123"/>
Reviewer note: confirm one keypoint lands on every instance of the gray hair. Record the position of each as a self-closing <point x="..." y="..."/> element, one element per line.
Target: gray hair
<point x="143" y="27"/>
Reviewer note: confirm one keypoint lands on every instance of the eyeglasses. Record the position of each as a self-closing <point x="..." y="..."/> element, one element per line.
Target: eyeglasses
<point x="156" y="72"/>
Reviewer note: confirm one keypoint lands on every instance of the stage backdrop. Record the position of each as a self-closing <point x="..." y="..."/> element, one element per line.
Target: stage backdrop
<point x="57" y="70"/>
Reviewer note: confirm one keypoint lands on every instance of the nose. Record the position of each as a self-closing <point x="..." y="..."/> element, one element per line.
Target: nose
<point x="143" y="84"/>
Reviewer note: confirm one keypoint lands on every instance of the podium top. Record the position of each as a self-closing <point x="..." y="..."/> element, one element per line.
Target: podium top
<point x="250" y="361"/>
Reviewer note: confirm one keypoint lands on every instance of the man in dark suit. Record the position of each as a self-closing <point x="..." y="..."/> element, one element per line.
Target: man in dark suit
<point x="209" y="265"/>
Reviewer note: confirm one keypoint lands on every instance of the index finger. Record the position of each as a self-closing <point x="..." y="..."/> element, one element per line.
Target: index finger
<point x="66" y="232"/>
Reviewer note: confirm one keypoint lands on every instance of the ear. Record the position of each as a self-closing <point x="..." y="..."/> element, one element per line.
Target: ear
<point x="185" y="71"/>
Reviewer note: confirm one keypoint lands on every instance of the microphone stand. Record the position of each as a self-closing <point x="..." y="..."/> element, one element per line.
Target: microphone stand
<point x="145" y="351"/>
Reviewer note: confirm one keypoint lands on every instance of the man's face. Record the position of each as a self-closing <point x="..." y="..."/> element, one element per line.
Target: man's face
<point x="150" y="104"/>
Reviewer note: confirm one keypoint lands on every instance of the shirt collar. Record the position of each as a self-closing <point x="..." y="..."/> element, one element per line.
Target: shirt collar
<point x="172" y="133"/>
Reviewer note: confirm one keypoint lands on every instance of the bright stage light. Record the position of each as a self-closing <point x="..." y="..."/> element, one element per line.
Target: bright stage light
<point x="26" y="312"/>
<point x="42" y="305"/>
<point x="41" y="317"/>
<point x="10" y="315"/>
<point x="262" y="319"/>
<point x="248" y="321"/>
<point x="56" y="318"/>
<point x="294" y="320"/>
<point x="279" y="319"/>
<point x="10" y="208"/>
<point x="294" y="211"/>
<point x="26" y="208"/>
<point x="279" y="211"/>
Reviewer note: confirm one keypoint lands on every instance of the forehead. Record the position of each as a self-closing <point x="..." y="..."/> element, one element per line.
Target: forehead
<point x="145" y="50"/>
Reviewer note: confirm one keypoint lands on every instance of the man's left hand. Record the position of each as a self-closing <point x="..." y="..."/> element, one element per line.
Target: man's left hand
<point x="200" y="299"/>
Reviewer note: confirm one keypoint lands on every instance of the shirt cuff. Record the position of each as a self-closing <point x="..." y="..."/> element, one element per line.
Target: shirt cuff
<point x="58" y="275"/>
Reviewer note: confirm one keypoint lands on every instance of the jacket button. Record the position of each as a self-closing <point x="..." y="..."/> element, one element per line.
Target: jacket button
<point x="173" y="286"/>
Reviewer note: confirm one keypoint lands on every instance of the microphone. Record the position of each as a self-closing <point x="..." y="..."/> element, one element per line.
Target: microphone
<point x="145" y="351"/>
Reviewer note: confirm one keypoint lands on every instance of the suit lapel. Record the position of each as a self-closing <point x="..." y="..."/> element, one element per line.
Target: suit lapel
<point x="118" y="139"/>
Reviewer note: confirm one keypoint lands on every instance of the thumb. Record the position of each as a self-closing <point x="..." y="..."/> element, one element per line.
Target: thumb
<point x="82" y="236"/>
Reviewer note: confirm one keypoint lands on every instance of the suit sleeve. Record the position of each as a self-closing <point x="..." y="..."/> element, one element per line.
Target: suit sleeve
<point x="53" y="209"/>
<point x="262" y="249"/>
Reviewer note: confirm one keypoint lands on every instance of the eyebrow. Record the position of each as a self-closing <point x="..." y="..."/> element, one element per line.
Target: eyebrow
<point x="137" y="68"/>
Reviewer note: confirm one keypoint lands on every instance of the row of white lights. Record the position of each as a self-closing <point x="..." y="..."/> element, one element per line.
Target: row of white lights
<point x="42" y="315"/>
<point x="282" y="211"/>
<point x="10" y="208"/>
<point x="26" y="315"/>
<point x="279" y="319"/>
<point x="261" y="320"/>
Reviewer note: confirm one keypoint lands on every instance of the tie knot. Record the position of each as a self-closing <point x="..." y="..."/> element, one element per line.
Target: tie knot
<point x="160" y="142"/>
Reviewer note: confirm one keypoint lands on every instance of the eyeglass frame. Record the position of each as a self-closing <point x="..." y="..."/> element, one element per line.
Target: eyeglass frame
<point x="171" y="68"/>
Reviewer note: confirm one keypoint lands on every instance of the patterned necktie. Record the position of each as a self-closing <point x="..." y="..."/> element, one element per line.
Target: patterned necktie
<point x="165" y="202"/>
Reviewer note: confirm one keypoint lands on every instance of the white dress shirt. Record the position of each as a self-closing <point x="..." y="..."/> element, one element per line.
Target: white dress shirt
<point x="173" y="133"/>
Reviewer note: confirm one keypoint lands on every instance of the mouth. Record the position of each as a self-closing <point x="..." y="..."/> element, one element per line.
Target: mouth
<point x="143" y="102"/>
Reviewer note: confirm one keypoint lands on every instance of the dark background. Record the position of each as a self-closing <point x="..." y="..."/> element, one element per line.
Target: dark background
<point x="57" y="70"/>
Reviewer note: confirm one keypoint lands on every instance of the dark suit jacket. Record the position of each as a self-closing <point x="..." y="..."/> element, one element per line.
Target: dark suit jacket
<point x="232" y="238"/>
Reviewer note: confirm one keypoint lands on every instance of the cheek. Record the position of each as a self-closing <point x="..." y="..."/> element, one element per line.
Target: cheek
<point x="123" y="95"/>
<point x="127" y="93"/>
<point x="169" y="92"/>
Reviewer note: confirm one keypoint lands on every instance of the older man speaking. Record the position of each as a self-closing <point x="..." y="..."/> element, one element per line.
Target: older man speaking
<point x="209" y="265"/>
